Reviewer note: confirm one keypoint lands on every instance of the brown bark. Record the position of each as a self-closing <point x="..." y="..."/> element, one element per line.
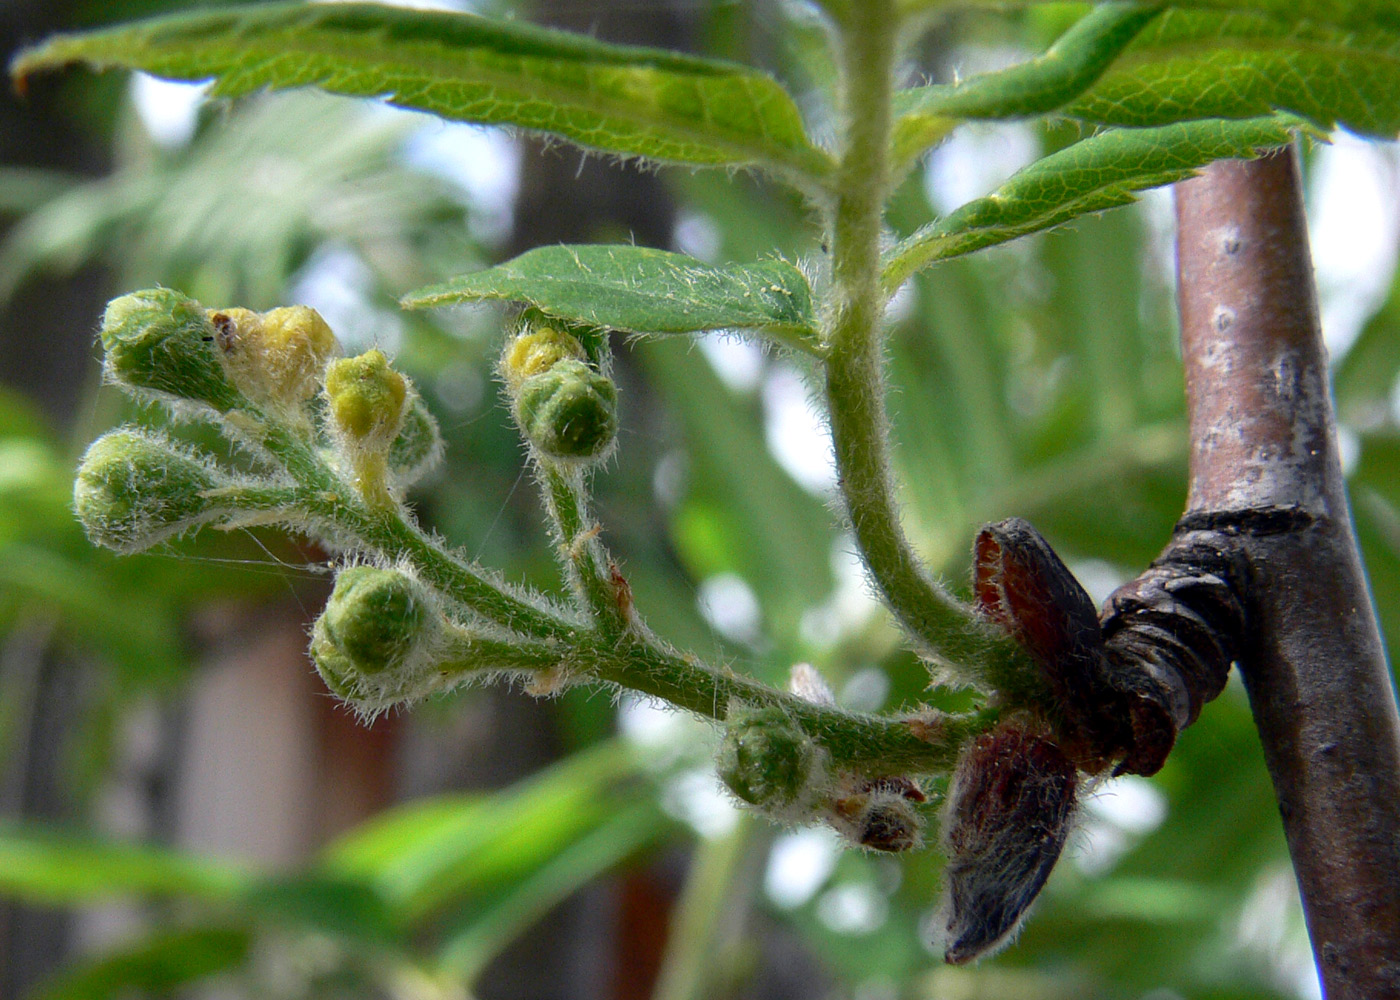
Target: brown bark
<point x="1265" y="474"/>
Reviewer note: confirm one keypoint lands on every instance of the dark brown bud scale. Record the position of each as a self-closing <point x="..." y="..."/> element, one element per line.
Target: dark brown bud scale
<point x="1009" y="813"/>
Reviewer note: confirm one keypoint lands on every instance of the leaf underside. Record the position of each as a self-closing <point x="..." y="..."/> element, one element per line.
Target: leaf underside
<point x="616" y="99"/>
<point x="640" y="290"/>
<point x="1097" y="173"/>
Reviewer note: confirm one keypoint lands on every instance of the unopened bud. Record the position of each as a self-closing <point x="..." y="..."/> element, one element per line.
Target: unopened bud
<point x="418" y="446"/>
<point x="569" y="411"/>
<point x="367" y="399"/>
<point x="536" y="351"/>
<point x="275" y="358"/>
<point x="374" y="621"/>
<point x="135" y="489"/>
<point x="159" y="341"/>
<point x="766" y="760"/>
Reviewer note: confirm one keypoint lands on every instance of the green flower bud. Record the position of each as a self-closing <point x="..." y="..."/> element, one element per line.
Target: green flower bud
<point x="536" y="352"/>
<point x="276" y="357"/>
<point x="569" y="411"/>
<point x="367" y="399"/>
<point x="374" y="623"/>
<point x="766" y="760"/>
<point x="418" y="446"/>
<point x="135" y="489"/>
<point x="162" y="342"/>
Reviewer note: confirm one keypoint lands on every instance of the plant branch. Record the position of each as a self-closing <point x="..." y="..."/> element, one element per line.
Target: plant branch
<point x="1263" y="443"/>
<point x="945" y="629"/>
<point x="388" y="533"/>
<point x="922" y="743"/>
<point x="584" y="559"/>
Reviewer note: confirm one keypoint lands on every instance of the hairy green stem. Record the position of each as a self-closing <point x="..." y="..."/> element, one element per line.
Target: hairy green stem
<point x="584" y="558"/>
<point x="607" y="651"/>
<point x="336" y="506"/>
<point x="386" y="532"/>
<point x="926" y="742"/>
<point x="945" y="629"/>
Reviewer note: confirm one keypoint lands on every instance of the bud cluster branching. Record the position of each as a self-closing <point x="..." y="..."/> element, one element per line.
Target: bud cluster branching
<point x="336" y="441"/>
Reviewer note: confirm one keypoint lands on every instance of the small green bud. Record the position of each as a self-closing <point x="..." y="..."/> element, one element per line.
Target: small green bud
<point x="374" y="620"/>
<point x="367" y="399"/>
<point x="418" y="446"/>
<point x="135" y="489"/>
<point x="162" y="342"/>
<point x="569" y="411"/>
<point x="536" y="352"/>
<point x="276" y="357"/>
<point x="766" y="760"/>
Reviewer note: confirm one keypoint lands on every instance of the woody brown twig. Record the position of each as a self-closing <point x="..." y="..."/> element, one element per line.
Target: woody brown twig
<point x="1267" y="539"/>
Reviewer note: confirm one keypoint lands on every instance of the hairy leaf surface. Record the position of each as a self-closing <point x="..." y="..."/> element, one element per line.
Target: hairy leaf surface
<point x="1098" y="173"/>
<point x="1362" y="14"/>
<point x="1191" y="64"/>
<point x="618" y="99"/>
<point x="640" y="290"/>
<point x="1034" y="87"/>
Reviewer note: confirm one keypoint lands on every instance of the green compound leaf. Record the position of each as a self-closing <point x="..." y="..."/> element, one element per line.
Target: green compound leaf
<point x="1067" y="69"/>
<point x="640" y="290"/>
<point x="618" y="99"/>
<point x="1098" y="173"/>
<point x="1205" y="65"/>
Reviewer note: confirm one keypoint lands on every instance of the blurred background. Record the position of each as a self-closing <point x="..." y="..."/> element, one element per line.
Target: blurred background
<point x="186" y="810"/>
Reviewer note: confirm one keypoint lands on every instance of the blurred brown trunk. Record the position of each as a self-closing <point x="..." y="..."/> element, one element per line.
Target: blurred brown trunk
<point x="1265" y="474"/>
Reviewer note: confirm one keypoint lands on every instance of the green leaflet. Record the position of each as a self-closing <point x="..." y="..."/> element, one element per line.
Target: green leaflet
<point x="38" y="866"/>
<point x="640" y="290"/>
<point x="153" y="966"/>
<point x="1355" y="14"/>
<point x="1098" y="173"/>
<point x="1204" y="65"/>
<point x="1066" y="70"/>
<point x="617" y="99"/>
<point x="491" y="925"/>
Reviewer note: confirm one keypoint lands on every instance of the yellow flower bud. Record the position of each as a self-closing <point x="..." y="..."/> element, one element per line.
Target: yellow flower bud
<point x="536" y="352"/>
<point x="275" y="358"/>
<point x="367" y="399"/>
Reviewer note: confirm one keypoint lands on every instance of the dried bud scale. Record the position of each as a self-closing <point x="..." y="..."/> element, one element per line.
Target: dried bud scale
<point x="1009" y="812"/>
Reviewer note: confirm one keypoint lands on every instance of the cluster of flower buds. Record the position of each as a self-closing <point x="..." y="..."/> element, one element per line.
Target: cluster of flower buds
<point x="562" y="399"/>
<point x="252" y="374"/>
